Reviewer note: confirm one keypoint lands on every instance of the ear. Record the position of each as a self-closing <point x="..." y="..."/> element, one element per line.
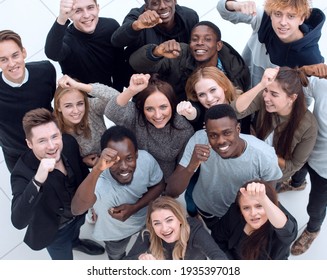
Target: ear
<point x="302" y="20"/>
<point x="238" y="128"/>
<point x="293" y="97"/>
<point x="219" y="45"/>
<point x="29" y="144"/>
<point x="24" y="53"/>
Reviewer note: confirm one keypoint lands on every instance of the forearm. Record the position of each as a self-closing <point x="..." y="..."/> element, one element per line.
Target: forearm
<point x="244" y="100"/>
<point x="178" y="181"/>
<point x="84" y="197"/>
<point x="275" y="215"/>
<point x="124" y="97"/>
<point x="150" y="195"/>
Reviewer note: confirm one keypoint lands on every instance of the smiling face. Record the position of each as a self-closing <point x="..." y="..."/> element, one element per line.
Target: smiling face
<point x="204" y="46"/>
<point x="46" y="141"/>
<point x="209" y="93"/>
<point x="86" y="15"/>
<point x="224" y="139"/>
<point x="166" y="225"/>
<point x="124" y="169"/>
<point x="157" y="109"/>
<point x="286" y="24"/>
<point x="277" y="101"/>
<point x="165" y="9"/>
<point x="253" y="213"/>
<point x="72" y="107"/>
<point x="12" y="61"/>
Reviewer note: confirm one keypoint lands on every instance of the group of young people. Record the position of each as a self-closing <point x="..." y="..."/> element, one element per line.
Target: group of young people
<point x="190" y="115"/>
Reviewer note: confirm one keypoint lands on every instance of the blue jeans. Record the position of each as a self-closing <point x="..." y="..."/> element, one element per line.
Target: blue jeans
<point x="116" y="250"/>
<point x="67" y="237"/>
<point x="317" y="201"/>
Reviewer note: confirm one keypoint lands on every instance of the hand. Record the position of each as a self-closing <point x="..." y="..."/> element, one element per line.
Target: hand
<point x="255" y="191"/>
<point x="146" y="256"/>
<point x="318" y="70"/>
<point x="138" y="82"/>
<point x="46" y="165"/>
<point x="107" y="159"/>
<point x="67" y="82"/>
<point x="168" y="49"/>
<point x="122" y="212"/>
<point x="186" y="109"/>
<point x="247" y="7"/>
<point x="269" y="76"/>
<point x="91" y="160"/>
<point x="67" y="9"/>
<point x="148" y="19"/>
<point x="200" y="154"/>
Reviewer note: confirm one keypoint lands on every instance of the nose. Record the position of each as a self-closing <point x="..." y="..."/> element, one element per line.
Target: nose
<point x="283" y="20"/>
<point x="209" y="97"/>
<point x="253" y="211"/>
<point x="157" y="114"/>
<point x="11" y="61"/>
<point x="123" y="165"/>
<point x="75" y="109"/>
<point x="51" y="145"/>
<point x="162" y="4"/>
<point x="86" y="13"/>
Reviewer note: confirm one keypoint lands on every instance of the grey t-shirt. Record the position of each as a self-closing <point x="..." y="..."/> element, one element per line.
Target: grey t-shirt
<point x="220" y="179"/>
<point x="110" y="194"/>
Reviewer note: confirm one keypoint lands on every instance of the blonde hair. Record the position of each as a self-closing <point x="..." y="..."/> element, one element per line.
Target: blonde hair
<point x="81" y="128"/>
<point x="156" y="247"/>
<point x="302" y="7"/>
<point x="212" y="73"/>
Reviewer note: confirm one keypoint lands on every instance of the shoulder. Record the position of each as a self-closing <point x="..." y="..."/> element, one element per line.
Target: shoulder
<point x="42" y="65"/>
<point x="257" y="145"/>
<point x="185" y="11"/>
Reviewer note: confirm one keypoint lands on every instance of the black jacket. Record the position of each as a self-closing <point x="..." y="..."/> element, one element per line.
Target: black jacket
<point x="41" y="212"/>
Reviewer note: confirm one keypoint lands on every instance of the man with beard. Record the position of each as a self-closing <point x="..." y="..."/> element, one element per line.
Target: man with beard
<point x="227" y="158"/>
<point x="119" y="187"/>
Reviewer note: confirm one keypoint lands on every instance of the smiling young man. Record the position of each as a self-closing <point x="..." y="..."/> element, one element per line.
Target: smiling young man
<point x="23" y="87"/>
<point x="43" y="183"/>
<point x="176" y="61"/>
<point x="119" y="188"/>
<point x="286" y="33"/>
<point x="228" y="159"/>
<point x="80" y="41"/>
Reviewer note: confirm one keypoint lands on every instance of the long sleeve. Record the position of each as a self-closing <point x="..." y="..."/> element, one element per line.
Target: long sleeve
<point x="55" y="48"/>
<point x="125" y="35"/>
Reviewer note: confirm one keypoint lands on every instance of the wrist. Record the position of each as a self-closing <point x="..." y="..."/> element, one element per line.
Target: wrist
<point x="36" y="183"/>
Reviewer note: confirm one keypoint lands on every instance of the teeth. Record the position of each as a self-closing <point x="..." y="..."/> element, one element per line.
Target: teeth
<point x="223" y="148"/>
<point x="200" y="51"/>
<point x="164" y="15"/>
<point x="124" y="174"/>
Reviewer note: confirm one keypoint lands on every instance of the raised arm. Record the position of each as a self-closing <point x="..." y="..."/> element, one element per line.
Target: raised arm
<point x="244" y="100"/>
<point x="257" y="191"/>
<point x="84" y="197"/>
<point x="137" y="83"/>
<point x="179" y="180"/>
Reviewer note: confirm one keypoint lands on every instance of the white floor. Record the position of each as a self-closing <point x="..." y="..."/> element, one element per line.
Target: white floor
<point x="33" y="23"/>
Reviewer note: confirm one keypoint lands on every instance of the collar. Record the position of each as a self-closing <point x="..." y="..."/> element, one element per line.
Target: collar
<point x="12" y="84"/>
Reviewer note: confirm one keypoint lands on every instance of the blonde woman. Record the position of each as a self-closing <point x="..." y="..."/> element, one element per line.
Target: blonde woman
<point x="170" y="235"/>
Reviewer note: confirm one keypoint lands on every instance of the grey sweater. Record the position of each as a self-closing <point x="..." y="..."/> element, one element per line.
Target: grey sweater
<point x="166" y="145"/>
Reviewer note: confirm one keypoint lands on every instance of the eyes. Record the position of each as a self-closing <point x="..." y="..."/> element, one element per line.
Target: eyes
<point x="280" y="14"/>
<point x="168" y="221"/>
<point x="225" y="133"/>
<point x="14" y="56"/>
<point x="88" y="8"/>
<point x="208" y="39"/>
<point x="78" y="104"/>
<point x="272" y="93"/>
<point x="248" y="208"/>
<point x="161" y="107"/>
<point x="203" y="94"/>
<point x="44" y="140"/>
